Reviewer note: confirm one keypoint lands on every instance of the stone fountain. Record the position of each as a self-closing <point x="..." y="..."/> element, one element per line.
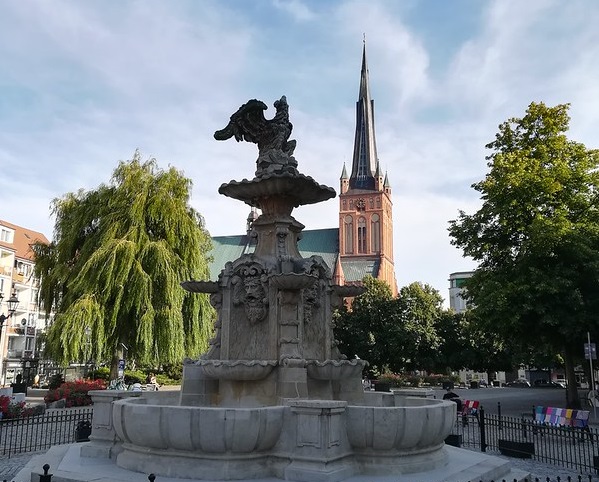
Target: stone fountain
<point x="273" y="397"/>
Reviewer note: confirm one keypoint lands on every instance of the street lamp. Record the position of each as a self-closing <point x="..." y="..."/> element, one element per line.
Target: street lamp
<point x="12" y="303"/>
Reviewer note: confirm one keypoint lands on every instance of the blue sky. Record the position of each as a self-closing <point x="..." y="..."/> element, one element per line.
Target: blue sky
<point x="84" y="84"/>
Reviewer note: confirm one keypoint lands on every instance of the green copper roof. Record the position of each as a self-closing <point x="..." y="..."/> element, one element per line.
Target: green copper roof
<point x="228" y="248"/>
<point x="355" y="270"/>
<point x="320" y="242"/>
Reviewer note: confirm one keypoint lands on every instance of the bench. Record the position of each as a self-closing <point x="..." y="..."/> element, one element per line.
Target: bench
<point x="562" y="417"/>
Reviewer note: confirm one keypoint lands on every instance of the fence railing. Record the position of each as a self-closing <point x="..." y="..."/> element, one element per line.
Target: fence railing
<point x="40" y="432"/>
<point x="570" y="447"/>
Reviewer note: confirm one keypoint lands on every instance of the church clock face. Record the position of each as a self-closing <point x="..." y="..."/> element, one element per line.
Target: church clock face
<point x="360" y="204"/>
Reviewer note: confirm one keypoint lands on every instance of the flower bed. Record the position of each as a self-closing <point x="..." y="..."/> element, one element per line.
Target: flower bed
<point x="11" y="410"/>
<point x="75" y="393"/>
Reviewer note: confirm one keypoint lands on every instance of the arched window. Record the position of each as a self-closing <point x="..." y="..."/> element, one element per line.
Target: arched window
<point x="362" y="235"/>
<point x="375" y="232"/>
<point x="348" y="229"/>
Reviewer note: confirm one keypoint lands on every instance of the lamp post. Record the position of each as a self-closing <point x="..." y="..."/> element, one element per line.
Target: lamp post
<point x="12" y="303"/>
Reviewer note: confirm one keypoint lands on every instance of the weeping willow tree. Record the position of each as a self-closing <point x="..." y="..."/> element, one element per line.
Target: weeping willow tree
<point x="112" y="271"/>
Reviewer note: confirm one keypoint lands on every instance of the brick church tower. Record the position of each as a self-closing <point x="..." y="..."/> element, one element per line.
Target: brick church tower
<point x="365" y="206"/>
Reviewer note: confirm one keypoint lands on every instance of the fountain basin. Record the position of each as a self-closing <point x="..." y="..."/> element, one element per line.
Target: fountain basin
<point x="335" y="369"/>
<point x="218" y="443"/>
<point x="201" y="430"/>
<point x="417" y="424"/>
<point x="237" y="369"/>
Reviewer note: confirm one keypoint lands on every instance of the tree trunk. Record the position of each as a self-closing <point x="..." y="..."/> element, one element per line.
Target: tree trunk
<point x="572" y="398"/>
<point x="114" y="363"/>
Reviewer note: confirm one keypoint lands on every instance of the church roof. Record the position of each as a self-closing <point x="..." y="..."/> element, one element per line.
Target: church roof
<point x="320" y="242"/>
<point x="356" y="269"/>
<point x="344" y="172"/>
<point x="365" y="157"/>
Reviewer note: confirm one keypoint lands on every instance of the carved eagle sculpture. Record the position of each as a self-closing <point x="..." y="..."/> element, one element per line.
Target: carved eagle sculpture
<point x="275" y="151"/>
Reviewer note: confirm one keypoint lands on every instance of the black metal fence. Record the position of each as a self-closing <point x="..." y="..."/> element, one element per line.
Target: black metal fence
<point x="40" y="432"/>
<point x="573" y="448"/>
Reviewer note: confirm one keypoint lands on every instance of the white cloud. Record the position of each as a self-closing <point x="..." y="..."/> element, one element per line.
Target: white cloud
<point x="85" y="84"/>
<point x="299" y="10"/>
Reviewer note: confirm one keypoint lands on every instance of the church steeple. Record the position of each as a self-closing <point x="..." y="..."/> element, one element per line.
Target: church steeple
<point x="365" y="204"/>
<point x="365" y="157"/>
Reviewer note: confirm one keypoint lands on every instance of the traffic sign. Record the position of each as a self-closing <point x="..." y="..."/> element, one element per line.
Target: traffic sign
<point x="590" y="351"/>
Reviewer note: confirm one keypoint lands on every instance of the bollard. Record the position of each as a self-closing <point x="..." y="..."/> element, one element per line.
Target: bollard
<point x="46" y="477"/>
<point x="482" y="428"/>
<point x="151" y="477"/>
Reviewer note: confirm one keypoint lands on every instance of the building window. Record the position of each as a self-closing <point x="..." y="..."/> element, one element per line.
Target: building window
<point x="371" y="203"/>
<point x="375" y="232"/>
<point x="351" y="204"/>
<point x="348" y="229"/>
<point x="6" y="235"/>
<point x="378" y="202"/>
<point x="344" y="204"/>
<point x="362" y="235"/>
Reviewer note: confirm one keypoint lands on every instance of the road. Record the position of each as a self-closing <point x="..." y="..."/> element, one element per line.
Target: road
<point x="516" y="401"/>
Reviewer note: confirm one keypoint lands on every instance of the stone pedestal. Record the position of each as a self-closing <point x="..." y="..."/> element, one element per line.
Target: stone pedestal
<point x="104" y="442"/>
<point x="318" y="445"/>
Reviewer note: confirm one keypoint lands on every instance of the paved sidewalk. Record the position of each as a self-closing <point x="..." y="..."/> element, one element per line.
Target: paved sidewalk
<point x="10" y="467"/>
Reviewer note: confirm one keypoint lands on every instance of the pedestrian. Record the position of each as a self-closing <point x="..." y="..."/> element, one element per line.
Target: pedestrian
<point x="454" y="397"/>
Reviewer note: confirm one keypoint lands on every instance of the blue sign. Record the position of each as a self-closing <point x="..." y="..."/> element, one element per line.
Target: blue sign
<point x="590" y="351"/>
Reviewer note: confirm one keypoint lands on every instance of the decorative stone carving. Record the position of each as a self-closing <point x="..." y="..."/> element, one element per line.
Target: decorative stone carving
<point x="250" y="288"/>
<point x="311" y="300"/>
<point x="275" y="151"/>
<point x="335" y="369"/>
<point x="237" y="369"/>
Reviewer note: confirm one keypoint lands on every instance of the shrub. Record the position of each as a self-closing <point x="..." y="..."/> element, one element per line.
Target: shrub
<point x="101" y="373"/>
<point x="75" y="393"/>
<point x="393" y="379"/>
<point x="10" y="409"/>
<point x="134" y="376"/>
<point x="56" y="381"/>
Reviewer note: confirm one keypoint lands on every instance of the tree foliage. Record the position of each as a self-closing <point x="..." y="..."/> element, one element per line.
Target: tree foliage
<point x="536" y="236"/>
<point x="390" y="333"/>
<point x="113" y="269"/>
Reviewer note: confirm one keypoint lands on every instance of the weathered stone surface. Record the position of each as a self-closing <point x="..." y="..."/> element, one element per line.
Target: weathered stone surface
<point x="273" y="397"/>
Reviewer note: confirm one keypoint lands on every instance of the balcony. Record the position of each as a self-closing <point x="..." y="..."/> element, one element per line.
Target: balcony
<point x="15" y="353"/>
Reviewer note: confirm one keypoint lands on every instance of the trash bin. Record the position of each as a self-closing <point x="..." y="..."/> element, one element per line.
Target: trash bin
<point x="83" y="430"/>
<point x="447" y="385"/>
<point x="474" y="384"/>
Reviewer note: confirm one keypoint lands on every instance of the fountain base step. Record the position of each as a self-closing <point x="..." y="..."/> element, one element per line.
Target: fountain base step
<point x="68" y="466"/>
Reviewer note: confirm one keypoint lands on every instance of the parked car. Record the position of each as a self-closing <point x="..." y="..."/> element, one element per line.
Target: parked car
<point x="562" y="382"/>
<point x="520" y="383"/>
<point x="548" y="384"/>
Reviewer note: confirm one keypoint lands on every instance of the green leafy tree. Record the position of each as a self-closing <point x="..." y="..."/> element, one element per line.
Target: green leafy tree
<point x="113" y="269"/>
<point x="416" y="340"/>
<point x="390" y="333"/>
<point x="536" y="237"/>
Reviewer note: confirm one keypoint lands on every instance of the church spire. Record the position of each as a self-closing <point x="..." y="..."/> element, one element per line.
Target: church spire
<point x="343" y="173"/>
<point x="365" y="156"/>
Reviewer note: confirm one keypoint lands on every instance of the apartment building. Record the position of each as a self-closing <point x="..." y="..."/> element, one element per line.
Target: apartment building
<point x="19" y="334"/>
